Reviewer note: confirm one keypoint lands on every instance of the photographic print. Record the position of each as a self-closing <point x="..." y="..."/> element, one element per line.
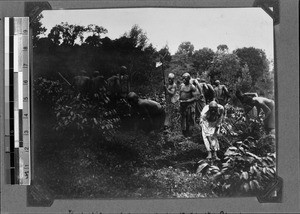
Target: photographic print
<point x="153" y="103"/>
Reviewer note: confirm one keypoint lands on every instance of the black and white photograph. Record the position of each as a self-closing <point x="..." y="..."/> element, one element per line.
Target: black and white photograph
<point x="153" y="103"/>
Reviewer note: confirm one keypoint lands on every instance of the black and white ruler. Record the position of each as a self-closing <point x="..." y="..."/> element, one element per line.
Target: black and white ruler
<point x="17" y="98"/>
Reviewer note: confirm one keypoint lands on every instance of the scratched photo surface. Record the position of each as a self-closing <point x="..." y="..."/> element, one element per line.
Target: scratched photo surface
<point x="153" y="103"/>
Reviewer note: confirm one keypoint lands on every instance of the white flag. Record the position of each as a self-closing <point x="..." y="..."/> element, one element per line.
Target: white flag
<point x="158" y="64"/>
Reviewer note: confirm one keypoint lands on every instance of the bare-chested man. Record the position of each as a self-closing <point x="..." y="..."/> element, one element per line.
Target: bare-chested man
<point x="222" y="93"/>
<point x="267" y="105"/>
<point x="98" y="85"/>
<point x="82" y="82"/>
<point x="171" y="99"/>
<point x="118" y="85"/>
<point x="187" y="96"/>
<point x="148" y="114"/>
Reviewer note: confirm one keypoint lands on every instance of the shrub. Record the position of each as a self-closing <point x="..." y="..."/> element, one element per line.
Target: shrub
<point x="264" y="145"/>
<point x="79" y="114"/>
<point x="243" y="173"/>
<point x="47" y="91"/>
<point x="85" y="117"/>
<point x="239" y="125"/>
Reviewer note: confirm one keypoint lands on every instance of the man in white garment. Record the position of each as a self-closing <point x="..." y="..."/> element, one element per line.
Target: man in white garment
<point x="211" y="118"/>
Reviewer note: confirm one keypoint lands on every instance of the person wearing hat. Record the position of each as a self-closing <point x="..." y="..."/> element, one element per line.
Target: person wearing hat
<point x="171" y="99"/>
<point x="211" y="118"/>
<point x="221" y="92"/>
<point x="187" y="96"/>
<point x="148" y="115"/>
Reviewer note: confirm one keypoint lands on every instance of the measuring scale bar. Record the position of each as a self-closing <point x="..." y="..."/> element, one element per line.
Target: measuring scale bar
<point x="17" y="99"/>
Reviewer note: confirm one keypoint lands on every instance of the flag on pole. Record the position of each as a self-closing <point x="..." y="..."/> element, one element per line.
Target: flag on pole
<point x="158" y="64"/>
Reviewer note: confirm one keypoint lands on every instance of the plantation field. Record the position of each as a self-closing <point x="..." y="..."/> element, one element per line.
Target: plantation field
<point x="87" y="149"/>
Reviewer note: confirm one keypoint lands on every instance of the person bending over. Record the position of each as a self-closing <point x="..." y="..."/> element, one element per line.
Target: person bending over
<point x="148" y="115"/>
<point x="267" y="105"/>
<point x="211" y="118"/>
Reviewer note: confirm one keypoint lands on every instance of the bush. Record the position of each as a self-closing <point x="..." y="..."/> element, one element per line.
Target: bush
<point x="243" y="173"/>
<point x="249" y="160"/>
<point x="47" y="91"/>
<point x="264" y="145"/>
<point x="239" y="125"/>
<point x="77" y="114"/>
<point x="85" y="117"/>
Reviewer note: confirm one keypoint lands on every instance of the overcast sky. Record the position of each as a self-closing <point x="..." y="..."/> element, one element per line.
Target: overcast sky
<point x="235" y="27"/>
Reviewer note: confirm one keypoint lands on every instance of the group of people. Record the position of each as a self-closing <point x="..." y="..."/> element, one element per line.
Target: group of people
<point x="115" y="86"/>
<point x="200" y="103"/>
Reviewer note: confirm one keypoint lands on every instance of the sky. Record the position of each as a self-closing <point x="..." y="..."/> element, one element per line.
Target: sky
<point x="203" y="27"/>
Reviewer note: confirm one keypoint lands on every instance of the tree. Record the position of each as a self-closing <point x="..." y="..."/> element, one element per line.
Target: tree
<point x="95" y="39"/>
<point x="137" y="36"/>
<point x="256" y="60"/>
<point x="67" y="34"/>
<point x="96" y="30"/>
<point x="133" y="51"/>
<point x="226" y="68"/>
<point x="265" y="85"/>
<point x="164" y="52"/>
<point x="43" y="45"/>
<point x="71" y="32"/>
<point x="37" y="29"/>
<point x="148" y="64"/>
<point x="185" y="48"/>
<point x="222" y="49"/>
<point x="182" y="60"/>
<point x="142" y="64"/>
<point x="107" y="44"/>
<point x="244" y="81"/>
<point x="202" y="59"/>
<point x="55" y="35"/>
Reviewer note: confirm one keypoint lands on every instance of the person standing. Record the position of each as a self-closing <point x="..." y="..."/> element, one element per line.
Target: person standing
<point x="187" y="96"/>
<point x="222" y="94"/>
<point x="98" y="85"/>
<point x="82" y="83"/>
<point x="200" y="99"/>
<point x="118" y="85"/>
<point x="171" y="99"/>
<point x="124" y="82"/>
<point x="211" y="118"/>
<point x="208" y="90"/>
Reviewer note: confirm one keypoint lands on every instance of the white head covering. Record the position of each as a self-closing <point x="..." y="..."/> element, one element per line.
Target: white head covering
<point x="171" y="76"/>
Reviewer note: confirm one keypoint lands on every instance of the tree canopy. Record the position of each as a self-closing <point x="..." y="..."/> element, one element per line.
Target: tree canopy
<point x="37" y="29"/>
<point x="202" y="59"/>
<point x="70" y="47"/>
<point x="255" y="59"/>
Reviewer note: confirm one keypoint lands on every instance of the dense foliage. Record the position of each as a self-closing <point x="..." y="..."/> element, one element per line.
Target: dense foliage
<point x="249" y="163"/>
<point x="94" y="140"/>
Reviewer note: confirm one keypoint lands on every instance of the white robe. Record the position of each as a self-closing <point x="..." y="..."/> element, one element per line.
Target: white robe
<point x="209" y="128"/>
